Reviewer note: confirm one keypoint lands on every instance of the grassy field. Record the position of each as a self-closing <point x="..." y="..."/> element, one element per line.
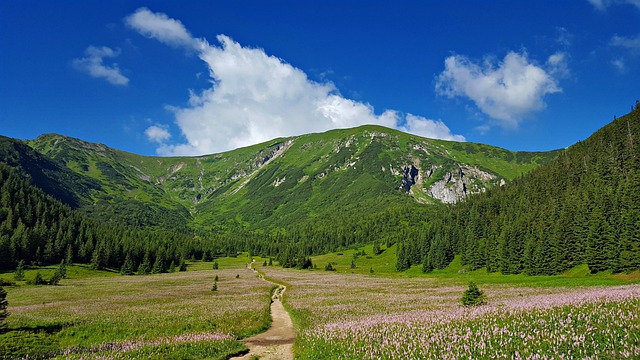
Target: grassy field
<point x="351" y="313"/>
<point x="99" y="315"/>
<point x="356" y="316"/>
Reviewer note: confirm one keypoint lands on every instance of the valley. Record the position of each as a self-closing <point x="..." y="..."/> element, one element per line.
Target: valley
<point x="374" y="233"/>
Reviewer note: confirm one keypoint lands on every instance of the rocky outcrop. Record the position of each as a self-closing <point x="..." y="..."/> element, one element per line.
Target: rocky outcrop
<point x="457" y="184"/>
<point x="410" y="176"/>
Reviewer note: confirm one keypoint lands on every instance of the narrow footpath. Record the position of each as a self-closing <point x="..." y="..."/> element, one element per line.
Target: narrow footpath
<point x="277" y="342"/>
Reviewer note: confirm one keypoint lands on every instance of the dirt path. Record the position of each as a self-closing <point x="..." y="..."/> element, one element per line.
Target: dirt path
<point x="275" y="343"/>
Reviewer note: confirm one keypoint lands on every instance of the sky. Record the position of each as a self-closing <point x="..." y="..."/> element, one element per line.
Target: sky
<point x="189" y="77"/>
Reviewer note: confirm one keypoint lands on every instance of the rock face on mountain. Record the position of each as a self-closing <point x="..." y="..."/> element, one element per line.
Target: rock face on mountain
<point x="284" y="179"/>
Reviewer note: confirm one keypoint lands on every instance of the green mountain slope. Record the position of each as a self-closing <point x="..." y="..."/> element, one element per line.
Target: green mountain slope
<point x="284" y="181"/>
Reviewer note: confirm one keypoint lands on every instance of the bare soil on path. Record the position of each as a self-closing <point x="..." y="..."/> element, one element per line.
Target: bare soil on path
<point x="277" y="342"/>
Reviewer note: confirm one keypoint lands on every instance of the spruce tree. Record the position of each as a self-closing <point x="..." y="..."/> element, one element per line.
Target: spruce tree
<point x="145" y="265"/>
<point x="127" y="267"/>
<point x="18" y="275"/>
<point x="183" y="265"/>
<point x="69" y="257"/>
<point x="473" y="296"/>
<point x="172" y="266"/>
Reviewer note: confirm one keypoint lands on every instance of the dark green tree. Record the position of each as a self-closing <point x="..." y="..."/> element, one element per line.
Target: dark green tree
<point x="145" y="266"/>
<point x="128" y="266"/>
<point x="473" y="296"/>
<point x="182" y="265"/>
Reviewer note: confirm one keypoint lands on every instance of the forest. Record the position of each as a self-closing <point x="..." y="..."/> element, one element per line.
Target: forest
<point x="581" y="208"/>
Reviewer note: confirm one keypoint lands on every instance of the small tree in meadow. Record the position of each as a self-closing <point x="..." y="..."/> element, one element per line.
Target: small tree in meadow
<point x="61" y="273"/>
<point x="215" y="286"/>
<point x="215" y="265"/>
<point x="18" y="275"/>
<point x="37" y="280"/>
<point x="329" y="267"/>
<point x="270" y="262"/>
<point x="3" y="309"/>
<point x="172" y="266"/>
<point x="473" y="296"/>
<point x="183" y="265"/>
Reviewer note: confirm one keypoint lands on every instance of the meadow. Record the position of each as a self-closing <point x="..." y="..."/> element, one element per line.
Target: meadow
<point x="355" y="316"/>
<point x="105" y="315"/>
<point x="350" y="313"/>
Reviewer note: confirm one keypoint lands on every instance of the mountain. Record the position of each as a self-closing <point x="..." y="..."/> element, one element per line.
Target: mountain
<point x="580" y="208"/>
<point x="274" y="184"/>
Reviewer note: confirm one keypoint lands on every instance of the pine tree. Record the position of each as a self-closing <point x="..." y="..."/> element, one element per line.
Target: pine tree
<point x="69" y="257"/>
<point x="61" y="273"/>
<point x="172" y="266"/>
<point x="182" y="265"/>
<point x="127" y="267"/>
<point x="215" y="265"/>
<point x="473" y="296"/>
<point x="18" y="275"/>
<point x="4" y="313"/>
<point x="145" y="265"/>
<point x="158" y="264"/>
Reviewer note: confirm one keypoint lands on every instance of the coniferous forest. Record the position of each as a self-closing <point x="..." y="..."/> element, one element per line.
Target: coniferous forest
<point x="581" y="208"/>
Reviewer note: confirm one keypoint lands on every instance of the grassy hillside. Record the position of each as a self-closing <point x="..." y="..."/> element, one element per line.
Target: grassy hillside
<point x="282" y="181"/>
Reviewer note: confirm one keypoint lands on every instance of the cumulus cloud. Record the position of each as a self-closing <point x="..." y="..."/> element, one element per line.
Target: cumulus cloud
<point x="429" y="128"/>
<point x="157" y="133"/>
<point x="507" y="91"/>
<point x="93" y="64"/>
<point x="256" y="97"/>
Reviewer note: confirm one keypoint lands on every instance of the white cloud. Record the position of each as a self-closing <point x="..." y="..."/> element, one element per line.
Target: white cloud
<point x="630" y="43"/>
<point x="157" y="133"/>
<point x="93" y="64"/>
<point x="162" y="28"/>
<point x="508" y="91"/>
<point x="434" y="129"/>
<point x="256" y="97"/>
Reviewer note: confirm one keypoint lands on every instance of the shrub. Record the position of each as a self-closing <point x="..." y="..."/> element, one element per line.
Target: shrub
<point x="329" y="267"/>
<point x="37" y="280"/>
<point x="473" y="296"/>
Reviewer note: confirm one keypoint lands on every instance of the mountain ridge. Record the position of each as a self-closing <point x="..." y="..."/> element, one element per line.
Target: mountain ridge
<point x="283" y="180"/>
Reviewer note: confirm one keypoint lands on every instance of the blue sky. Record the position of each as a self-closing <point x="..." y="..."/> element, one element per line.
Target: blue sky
<point x="197" y="77"/>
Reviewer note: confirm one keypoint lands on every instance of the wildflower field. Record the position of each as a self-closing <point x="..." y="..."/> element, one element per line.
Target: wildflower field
<point x="167" y="316"/>
<point x="353" y="316"/>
